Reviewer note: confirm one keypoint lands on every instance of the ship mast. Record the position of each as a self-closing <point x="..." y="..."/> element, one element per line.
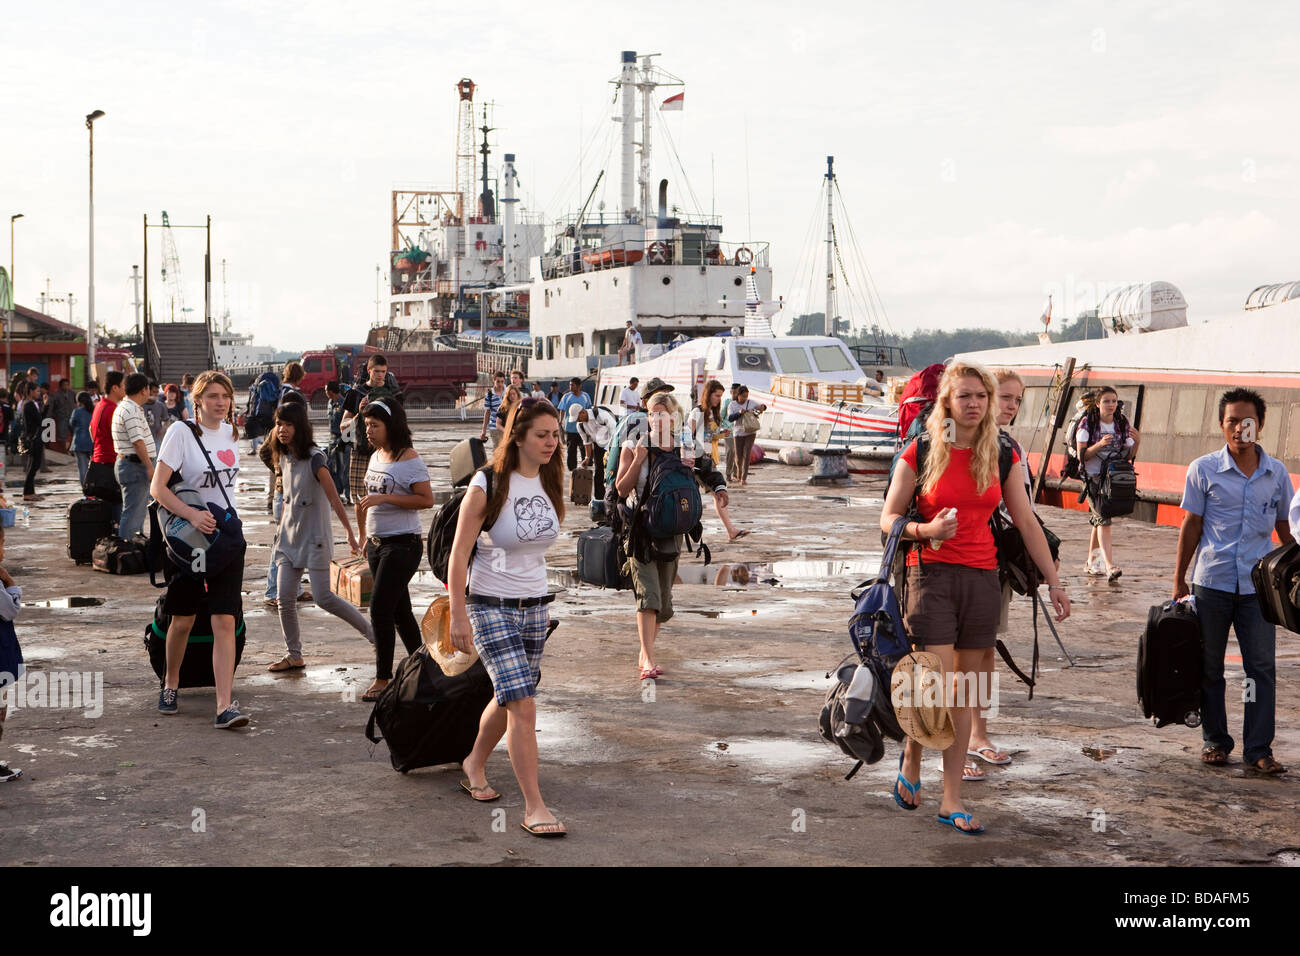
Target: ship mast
<point x="830" y="320"/>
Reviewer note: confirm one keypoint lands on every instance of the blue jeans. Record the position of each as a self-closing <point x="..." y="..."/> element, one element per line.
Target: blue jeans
<point x="133" y="476"/>
<point x="340" y="463"/>
<point x="1217" y="610"/>
<point x="83" y="463"/>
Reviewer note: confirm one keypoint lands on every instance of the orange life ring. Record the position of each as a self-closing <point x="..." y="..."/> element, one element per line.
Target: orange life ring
<point x="658" y="252"/>
<point x="743" y="256"/>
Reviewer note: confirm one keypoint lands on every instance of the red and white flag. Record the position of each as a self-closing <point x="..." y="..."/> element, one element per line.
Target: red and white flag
<point x="674" y="102"/>
<point x="1046" y="317"/>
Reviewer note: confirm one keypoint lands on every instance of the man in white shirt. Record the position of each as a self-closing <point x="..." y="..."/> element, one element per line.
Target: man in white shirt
<point x="595" y="428"/>
<point x="630" y="400"/>
<point x="133" y="442"/>
<point x="631" y="339"/>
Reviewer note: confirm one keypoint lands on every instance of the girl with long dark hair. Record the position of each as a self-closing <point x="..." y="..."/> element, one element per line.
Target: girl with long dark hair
<point x="305" y="539"/>
<point x="397" y="487"/>
<point x="504" y="615"/>
<point x="1104" y="435"/>
<point x="706" y="428"/>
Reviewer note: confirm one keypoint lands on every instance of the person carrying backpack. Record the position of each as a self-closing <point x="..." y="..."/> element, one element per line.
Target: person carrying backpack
<point x="648" y="463"/>
<point x="952" y="601"/>
<point x="305" y="539"/>
<point x="376" y="388"/>
<point x="1105" y="435"/>
<point x="210" y="465"/>
<point x="339" y="452"/>
<point x="499" y="596"/>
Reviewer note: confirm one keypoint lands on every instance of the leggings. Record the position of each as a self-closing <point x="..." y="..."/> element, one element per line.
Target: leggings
<point x="393" y="562"/>
<point x="34" y="459"/>
<point x="743" y="444"/>
<point x="325" y="599"/>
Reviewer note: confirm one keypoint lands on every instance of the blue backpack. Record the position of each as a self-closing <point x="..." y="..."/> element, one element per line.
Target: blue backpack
<point x="263" y="396"/>
<point x="672" y="504"/>
<point x="876" y="626"/>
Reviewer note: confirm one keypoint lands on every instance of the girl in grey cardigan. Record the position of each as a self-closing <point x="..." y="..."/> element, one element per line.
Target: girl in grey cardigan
<point x="305" y="542"/>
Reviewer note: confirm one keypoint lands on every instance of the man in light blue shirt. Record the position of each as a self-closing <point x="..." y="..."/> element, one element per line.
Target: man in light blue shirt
<point x="1234" y="500"/>
<point x="574" y="396"/>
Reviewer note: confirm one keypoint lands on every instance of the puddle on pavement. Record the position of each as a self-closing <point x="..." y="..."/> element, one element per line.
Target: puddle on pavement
<point x="69" y="602"/>
<point x="752" y="574"/>
<point x="1287" y="856"/>
<point x="39" y="653"/>
<point x="782" y="752"/>
<point x="796" y="680"/>
<point x="331" y="679"/>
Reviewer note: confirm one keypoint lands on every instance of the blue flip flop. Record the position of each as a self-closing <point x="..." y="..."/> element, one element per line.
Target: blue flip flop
<point x="951" y="820"/>
<point x="910" y="787"/>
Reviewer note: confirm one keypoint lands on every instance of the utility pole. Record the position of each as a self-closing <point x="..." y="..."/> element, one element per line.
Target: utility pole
<point x="70" y="302"/>
<point x="377" y="275"/>
<point x="135" y="283"/>
<point x="90" y="326"/>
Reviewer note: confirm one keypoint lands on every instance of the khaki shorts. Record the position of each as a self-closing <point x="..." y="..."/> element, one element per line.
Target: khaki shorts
<point x="653" y="585"/>
<point x="952" y="604"/>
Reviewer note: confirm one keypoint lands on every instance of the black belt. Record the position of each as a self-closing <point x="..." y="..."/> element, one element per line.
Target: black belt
<point x="377" y="541"/>
<point x="508" y="602"/>
<point x="134" y="458"/>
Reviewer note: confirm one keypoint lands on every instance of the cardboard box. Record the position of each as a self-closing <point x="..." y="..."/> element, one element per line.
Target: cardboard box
<point x="352" y="581"/>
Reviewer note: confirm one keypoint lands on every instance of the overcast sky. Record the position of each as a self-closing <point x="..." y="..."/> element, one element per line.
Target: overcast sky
<point x="988" y="153"/>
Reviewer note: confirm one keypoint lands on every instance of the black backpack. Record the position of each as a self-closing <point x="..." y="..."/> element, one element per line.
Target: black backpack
<point x="442" y="533"/>
<point x="1118" y="492"/>
<point x="1072" y="468"/>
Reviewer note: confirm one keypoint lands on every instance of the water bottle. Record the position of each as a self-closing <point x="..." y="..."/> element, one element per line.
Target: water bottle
<point x="935" y="542"/>
<point x="859" y="698"/>
<point x="27" y="517"/>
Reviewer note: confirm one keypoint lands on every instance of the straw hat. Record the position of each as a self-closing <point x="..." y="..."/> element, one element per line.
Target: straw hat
<point x="436" y="629"/>
<point x="917" y="690"/>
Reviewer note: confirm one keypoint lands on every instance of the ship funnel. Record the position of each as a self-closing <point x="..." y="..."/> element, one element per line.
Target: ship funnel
<point x="663" y="200"/>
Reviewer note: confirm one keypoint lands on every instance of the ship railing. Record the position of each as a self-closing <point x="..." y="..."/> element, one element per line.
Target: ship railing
<point x="690" y="251"/>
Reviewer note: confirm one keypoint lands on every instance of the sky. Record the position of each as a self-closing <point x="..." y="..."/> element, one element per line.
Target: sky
<point x="988" y="155"/>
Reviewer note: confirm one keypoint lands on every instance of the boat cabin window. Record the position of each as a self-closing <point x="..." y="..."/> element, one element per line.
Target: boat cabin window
<point x="831" y="358"/>
<point x="793" y="361"/>
<point x="753" y="358"/>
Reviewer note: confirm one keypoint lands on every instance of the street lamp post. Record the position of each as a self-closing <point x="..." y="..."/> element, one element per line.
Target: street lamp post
<point x="13" y="311"/>
<point x="90" y="325"/>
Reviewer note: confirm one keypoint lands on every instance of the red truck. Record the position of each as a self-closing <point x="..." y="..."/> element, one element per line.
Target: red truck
<point x="427" y="379"/>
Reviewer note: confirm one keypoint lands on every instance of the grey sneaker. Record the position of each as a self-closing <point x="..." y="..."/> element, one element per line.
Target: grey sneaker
<point x="7" y="773"/>
<point x="168" y="701"/>
<point x="230" y="718"/>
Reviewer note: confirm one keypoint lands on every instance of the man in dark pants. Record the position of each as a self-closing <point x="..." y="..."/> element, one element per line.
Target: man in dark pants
<point x="574" y="396"/>
<point x="101" y="481"/>
<point x="1234" y="500"/>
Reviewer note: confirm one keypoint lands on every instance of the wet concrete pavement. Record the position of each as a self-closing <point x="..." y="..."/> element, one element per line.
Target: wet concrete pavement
<point x="718" y="763"/>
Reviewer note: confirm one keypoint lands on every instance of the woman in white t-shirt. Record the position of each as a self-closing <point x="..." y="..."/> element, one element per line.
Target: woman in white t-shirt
<point x="396" y="488"/>
<point x="180" y="454"/>
<point x="1104" y="434"/>
<point x="503" y="613"/>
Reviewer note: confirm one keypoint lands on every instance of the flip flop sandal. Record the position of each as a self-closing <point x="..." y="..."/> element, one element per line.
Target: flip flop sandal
<point x="371" y="696"/>
<point x="537" y="832"/>
<point x="951" y="821"/>
<point x="286" y="664"/>
<point x="1214" y="757"/>
<point x="980" y="754"/>
<point x="911" y="788"/>
<point x="1270" y="767"/>
<point x="970" y="773"/>
<point x="740" y="534"/>
<point x="475" y="791"/>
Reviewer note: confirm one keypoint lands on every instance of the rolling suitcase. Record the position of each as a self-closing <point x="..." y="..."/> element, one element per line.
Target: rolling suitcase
<point x="1276" y="576"/>
<point x="426" y="717"/>
<point x="580" y="483"/>
<point x="196" y="666"/>
<point x="1169" y="666"/>
<point x="466" y="458"/>
<point x="89" y="519"/>
<point x="598" y="561"/>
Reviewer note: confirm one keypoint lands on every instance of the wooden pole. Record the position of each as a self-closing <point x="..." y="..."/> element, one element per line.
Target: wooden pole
<point x="1062" y="409"/>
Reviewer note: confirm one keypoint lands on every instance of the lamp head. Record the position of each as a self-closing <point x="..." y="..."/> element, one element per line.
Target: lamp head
<point x="16" y="215"/>
<point x="91" y="117"/>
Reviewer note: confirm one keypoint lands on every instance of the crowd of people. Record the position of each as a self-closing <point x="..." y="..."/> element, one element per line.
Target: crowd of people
<point x="179" y="446"/>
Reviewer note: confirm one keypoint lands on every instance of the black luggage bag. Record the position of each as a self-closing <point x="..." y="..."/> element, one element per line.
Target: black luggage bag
<point x="1118" y="489"/>
<point x="89" y="519"/>
<point x="466" y="458"/>
<point x="581" y="480"/>
<point x="598" y="560"/>
<point x="1169" y="666"/>
<point x="426" y="717"/>
<point x="1277" y="577"/>
<point x="114" y="555"/>
<point x="196" y="666"/>
<point x="598" y="512"/>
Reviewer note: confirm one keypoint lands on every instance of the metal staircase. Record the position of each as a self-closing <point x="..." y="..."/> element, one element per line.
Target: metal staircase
<point x="176" y="348"/>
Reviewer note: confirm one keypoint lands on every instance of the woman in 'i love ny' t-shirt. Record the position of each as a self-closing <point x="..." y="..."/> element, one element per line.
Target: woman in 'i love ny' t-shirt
<point x="180" y="454"/>
<point x="953" y="599"/>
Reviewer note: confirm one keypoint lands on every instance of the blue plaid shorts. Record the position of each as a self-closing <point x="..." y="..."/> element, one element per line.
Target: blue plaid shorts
<point x="510" y="640"/>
